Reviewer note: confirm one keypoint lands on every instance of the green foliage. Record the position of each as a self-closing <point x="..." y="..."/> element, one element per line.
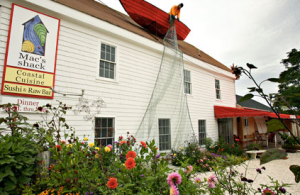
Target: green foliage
<point x="289" y="142"/>
<point x="18" y="162"/>
<point x="272" y="154"/>
<point x="18" y="152"/>
<point x="290" y="80"/>
<point x="221" y="147"/>
<point x="254" y="147"/>
<point x="246" y="97"/>
<point x="274" y="125"/>
<point x="192" y="154"/>
<point x="208" y="142"/>
<point x="296" y="170"/>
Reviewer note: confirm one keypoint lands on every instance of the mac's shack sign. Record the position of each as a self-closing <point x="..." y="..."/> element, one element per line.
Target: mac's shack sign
<point x="30" y="61"/>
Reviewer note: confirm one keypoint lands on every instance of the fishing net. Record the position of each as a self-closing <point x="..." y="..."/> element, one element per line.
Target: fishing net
<point x="167" y="119"/>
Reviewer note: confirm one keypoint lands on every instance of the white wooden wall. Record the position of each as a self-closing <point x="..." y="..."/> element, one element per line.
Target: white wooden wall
<point x="138" y="63"/>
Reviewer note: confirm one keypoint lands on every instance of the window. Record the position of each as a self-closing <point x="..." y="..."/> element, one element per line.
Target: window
<point x="187" y="81"/>
<point x="202" y="131"/>
<point x="104" y="131"/>
<point x="218" y="91"/>
<point x="246" y="122"/>
<point x="164" y="134"/>
<point x="107" y="62"/>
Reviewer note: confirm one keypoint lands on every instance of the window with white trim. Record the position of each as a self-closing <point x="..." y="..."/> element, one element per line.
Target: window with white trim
<point x="104" y="131"/>
<point x="164" y="134"/>
<point x="107" y="65"/>
<point x="187" y="82"/>
<point x="218" y="90"/>
<point x="202" y="131"/>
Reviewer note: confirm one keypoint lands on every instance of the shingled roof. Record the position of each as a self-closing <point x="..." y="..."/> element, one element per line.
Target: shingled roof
<point x="116" y="18"/>
<point x="252" y="104"/>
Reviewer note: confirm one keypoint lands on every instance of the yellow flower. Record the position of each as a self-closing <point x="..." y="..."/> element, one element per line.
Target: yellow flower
<point x="97" y="148"/>
<point x="96" y="155"/>
<point x="69" y="145"/>
<point x="107" y="149"/>
<point x="180" y="148"/>
<point x="85" y="139"/>
<point x="174" y="154"/>
<point x="91" y="144"/>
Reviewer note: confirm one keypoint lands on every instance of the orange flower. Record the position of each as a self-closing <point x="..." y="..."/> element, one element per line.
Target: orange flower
<point x="112" y="183"/>
<point x="143" y="144"/>
<point x="130" y="163"/>
<point x="122" y="142"/>
<point x="131" y="154"/>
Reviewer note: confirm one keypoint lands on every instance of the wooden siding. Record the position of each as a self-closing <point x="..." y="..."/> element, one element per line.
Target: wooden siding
<point x="137" y="68"/>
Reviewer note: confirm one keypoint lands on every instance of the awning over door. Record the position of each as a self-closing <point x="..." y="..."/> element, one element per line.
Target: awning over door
<point x="230" y="112"/>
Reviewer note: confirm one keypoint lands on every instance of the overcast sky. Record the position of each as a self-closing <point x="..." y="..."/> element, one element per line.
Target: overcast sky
<point x="259" y="32"/>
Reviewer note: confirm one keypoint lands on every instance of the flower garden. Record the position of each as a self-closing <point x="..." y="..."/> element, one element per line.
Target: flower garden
<point x="125" y="167"/>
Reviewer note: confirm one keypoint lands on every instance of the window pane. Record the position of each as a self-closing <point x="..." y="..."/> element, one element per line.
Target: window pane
<point x="113" y="52"/>
<point x="104" y="132"/>
<point x="107" y="52"/>
<point x="106" y="73"/>
<point x="102" y="51"/>
<point x="113" y="58"/>
<point x="112" y="71"/>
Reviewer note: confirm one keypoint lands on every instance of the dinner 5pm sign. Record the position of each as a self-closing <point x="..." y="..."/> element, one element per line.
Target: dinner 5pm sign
<point x="31" y="52"/>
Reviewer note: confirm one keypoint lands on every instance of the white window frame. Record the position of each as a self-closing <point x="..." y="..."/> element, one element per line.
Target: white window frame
<point x="201" y="132"/>
<point x="96" y="138"/>
<point x="116" y="63"/>
<point x="166" y="134"/>
<point x="218" y="89"/>
<point x="186" y="82"/>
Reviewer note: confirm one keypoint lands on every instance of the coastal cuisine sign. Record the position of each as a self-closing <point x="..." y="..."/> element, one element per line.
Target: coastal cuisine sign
<point x="31" y="51"/>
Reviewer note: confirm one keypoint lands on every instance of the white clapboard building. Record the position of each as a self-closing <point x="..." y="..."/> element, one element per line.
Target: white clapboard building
<point x="89" y="46"/>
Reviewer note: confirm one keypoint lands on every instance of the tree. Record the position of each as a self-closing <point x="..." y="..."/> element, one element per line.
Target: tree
<point x="289" y="86"/>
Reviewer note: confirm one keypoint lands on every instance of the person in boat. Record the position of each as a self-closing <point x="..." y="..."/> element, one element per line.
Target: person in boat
<point x="175" y="11"/>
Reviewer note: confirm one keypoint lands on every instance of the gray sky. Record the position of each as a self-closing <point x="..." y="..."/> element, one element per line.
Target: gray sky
<point x="259" y="32"/>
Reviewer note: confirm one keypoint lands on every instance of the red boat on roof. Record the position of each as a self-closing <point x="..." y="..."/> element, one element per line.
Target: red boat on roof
<point x="152" y="18"/>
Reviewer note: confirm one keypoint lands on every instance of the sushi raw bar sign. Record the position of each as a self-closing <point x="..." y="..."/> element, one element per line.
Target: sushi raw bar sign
<point x="31" y="51"/>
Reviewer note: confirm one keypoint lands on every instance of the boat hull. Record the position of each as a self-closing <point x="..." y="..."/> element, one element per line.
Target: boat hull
<point x="152" y="18"/>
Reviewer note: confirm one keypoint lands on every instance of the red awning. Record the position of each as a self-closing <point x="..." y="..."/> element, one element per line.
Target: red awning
<point x="230" y="112"/>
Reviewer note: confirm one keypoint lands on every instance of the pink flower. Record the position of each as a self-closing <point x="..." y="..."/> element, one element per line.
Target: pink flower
<point x="174" y="190"/>
<point x="268" y="192"/>
<point x="198" y="181"/>
<point x="110" y="146"/>
<point x="174" y="178"/>
<point x="189" y="169"/>
<point x="212" y="180"/>
<point x="201" y="160"/>
<point x="200" y="149"/>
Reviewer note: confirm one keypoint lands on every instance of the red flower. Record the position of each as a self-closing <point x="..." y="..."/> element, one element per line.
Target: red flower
<point x="122" y="142"/>
<point x="143" y="144"/>
<point x="112" y="183"/>
<point x="58" y="147"/>
<point x="131" y="154"/>
<point x="130" y="163"/>
<point x="121" y="137"/>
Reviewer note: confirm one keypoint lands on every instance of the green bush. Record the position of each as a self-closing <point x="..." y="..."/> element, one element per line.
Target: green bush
<point x="18" y="152"/>
<point x="18" y="162"/>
